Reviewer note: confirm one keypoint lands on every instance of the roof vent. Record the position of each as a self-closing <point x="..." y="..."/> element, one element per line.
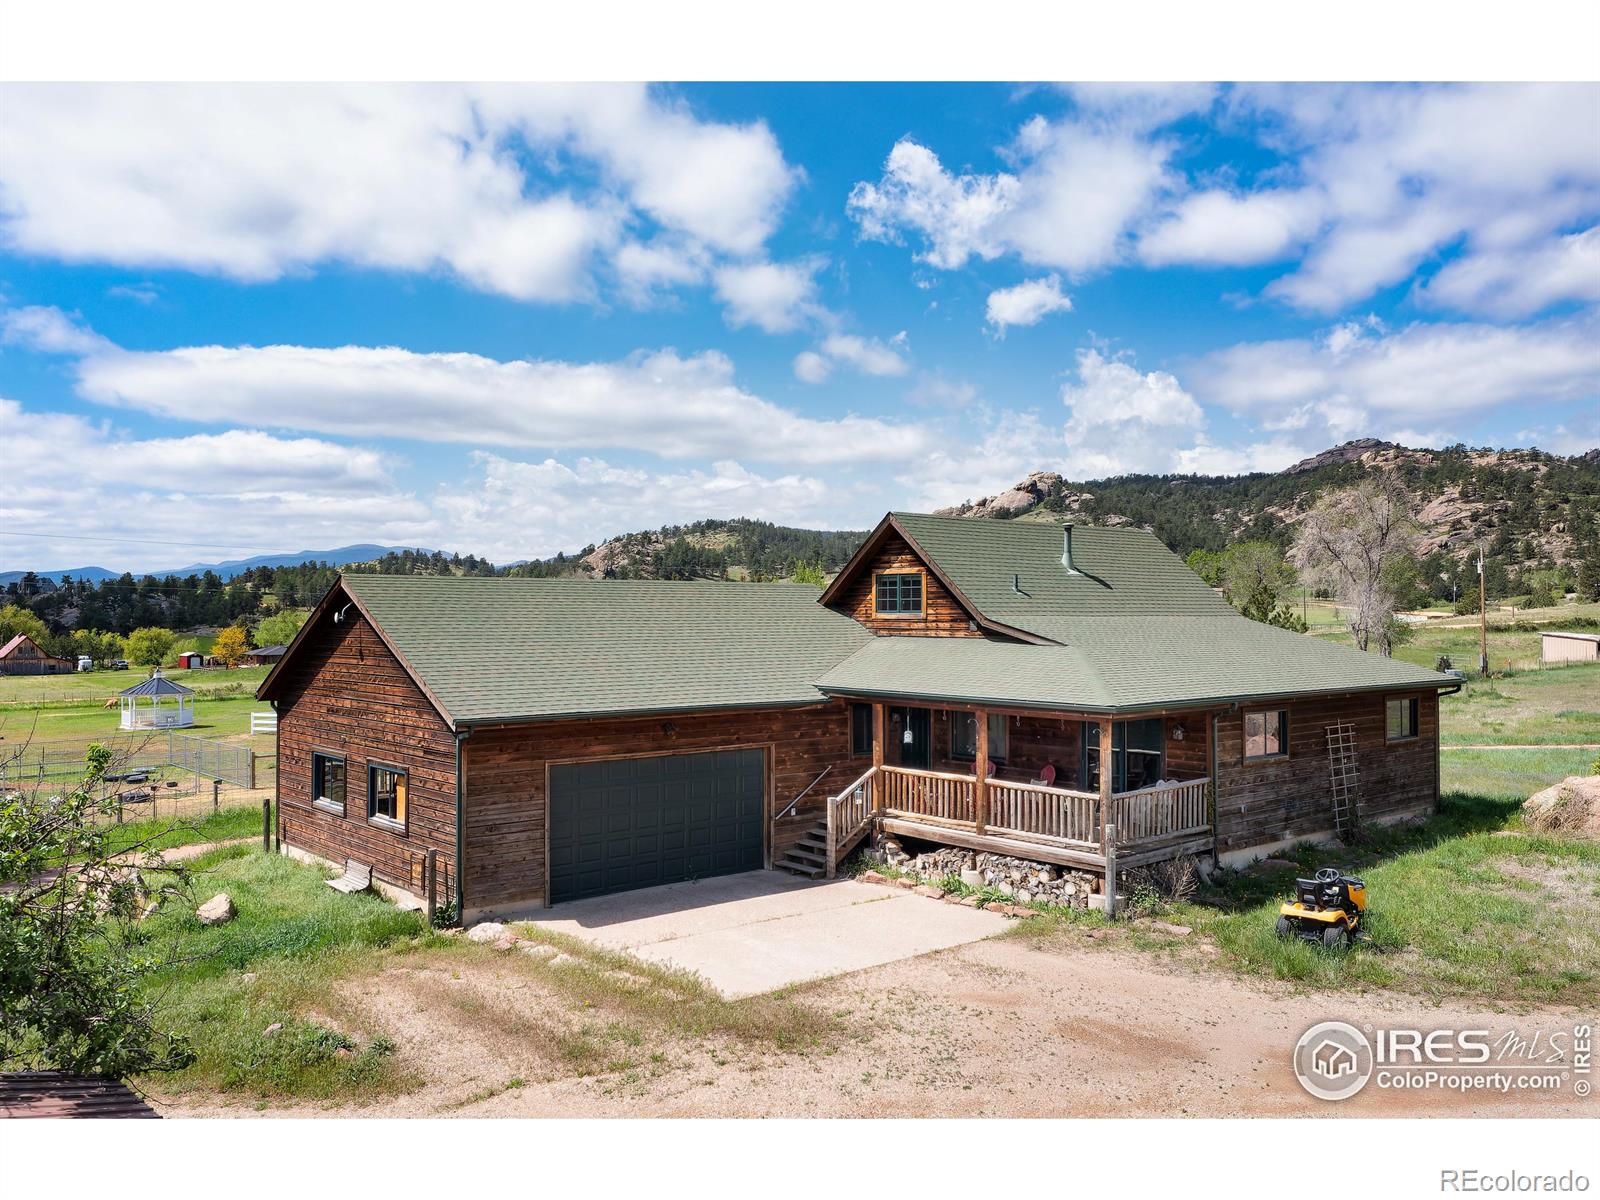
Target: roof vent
<point x="1066" y="549"/>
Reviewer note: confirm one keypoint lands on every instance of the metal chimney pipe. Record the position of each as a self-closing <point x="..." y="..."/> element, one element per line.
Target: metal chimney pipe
<point x="1066" y="548"/>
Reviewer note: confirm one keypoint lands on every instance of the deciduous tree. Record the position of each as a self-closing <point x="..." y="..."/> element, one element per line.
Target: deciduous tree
<point x="15" y="619"/>
<point x="279" y="629"/>
<point x="71" y="962"/>
<point x="232" y="644"/>
<point x="1360" y="543"/>
<point x="100" y="647"/>
<point x="150" y="646"/>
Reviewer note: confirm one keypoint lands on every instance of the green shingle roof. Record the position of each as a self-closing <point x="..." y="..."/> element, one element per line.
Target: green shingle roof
<point x="1134" y="628"/>
<point x="510" y="649"/>
<point x="1121" y="572"/>
<point x="1115" y="664"/>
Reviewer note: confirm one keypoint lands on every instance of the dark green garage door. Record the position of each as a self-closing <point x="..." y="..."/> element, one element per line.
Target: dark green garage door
<point x="636" y="822"/>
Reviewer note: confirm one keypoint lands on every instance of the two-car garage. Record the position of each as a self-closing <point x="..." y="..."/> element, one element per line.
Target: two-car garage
<point x="624" y="823"/>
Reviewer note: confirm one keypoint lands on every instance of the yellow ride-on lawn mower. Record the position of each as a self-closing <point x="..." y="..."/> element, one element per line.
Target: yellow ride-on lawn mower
<point x="1327" y="909"/>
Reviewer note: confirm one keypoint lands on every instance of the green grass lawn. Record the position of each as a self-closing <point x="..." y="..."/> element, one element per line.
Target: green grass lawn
<point x="284" y="960"/>
<point x="72" y="707"/>
<point x="213" y="718"/>
<point x="1457" y="637"/>
<point x="296" y="937"/>
<point x="33" y="690"/>
<point x="1557" y="705"/>
<point x="1467" y="904"/>
<point x="241" y="821"/>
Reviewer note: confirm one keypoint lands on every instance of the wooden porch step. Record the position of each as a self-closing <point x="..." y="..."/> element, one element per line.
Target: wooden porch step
<point x="795" y="867"/>
<point x="808" y="856"/>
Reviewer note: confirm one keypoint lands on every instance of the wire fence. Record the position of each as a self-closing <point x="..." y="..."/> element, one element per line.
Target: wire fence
<point x="179" y="804"/>
<point x="152" y="776"/>
<point x="231" y="763"/>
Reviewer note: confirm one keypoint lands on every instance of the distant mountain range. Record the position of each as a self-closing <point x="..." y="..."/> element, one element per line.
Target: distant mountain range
<point x="365" y="552"/>
<point x="1528" y="509"/>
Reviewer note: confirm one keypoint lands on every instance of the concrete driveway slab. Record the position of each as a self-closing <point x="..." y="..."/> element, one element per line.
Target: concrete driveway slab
<point x="752" y="933"/>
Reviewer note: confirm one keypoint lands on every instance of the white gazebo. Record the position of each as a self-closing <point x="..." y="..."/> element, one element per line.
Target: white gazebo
<point x="157" y="703"/>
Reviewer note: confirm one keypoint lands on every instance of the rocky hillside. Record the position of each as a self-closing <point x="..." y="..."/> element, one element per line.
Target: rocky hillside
<point x="1527" y="508"/>
<point x="736" y="549"/>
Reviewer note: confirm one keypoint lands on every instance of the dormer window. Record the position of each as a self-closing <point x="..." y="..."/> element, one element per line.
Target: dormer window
<point x="897" y="594"/>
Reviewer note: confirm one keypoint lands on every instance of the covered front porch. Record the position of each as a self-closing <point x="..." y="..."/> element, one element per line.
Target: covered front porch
<point x="1030" y="784"/>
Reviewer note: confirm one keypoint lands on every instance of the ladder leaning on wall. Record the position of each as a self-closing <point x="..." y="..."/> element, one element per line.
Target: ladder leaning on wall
<point x="1344" y="777"/>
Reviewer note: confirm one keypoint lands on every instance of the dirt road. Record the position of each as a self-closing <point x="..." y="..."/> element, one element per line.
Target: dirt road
<point x="999" y="1028"/>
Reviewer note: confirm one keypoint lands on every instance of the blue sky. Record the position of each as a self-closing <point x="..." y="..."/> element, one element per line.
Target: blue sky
<point x="512" y="320"/>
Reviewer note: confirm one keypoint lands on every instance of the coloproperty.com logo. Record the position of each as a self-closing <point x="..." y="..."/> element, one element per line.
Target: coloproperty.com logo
<point x="1335" y="1060"/>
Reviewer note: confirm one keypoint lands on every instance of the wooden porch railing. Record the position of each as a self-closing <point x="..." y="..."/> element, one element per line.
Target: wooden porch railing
<point x="1158" y="813"/>
<point x="1033" y="810"/>
<point x="849" y="815"/>
<point x="1017" y="811"/>
<point x="928" y="795"/>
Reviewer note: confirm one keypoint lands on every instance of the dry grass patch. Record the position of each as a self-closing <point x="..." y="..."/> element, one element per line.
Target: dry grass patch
<point x="504" y="1019"/>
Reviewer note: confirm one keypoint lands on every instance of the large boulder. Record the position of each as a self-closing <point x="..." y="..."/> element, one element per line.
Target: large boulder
<point x="1569" y="809"/>
<point x="488" y="931"/>
<point x="218" y="910"/>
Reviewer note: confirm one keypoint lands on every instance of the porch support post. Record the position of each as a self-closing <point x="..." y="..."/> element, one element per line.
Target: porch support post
<point x="1107" y="768"/>
<point x="1108" y="825"/>
<point x="980" y="767"/>
<point x="880" y="727"/>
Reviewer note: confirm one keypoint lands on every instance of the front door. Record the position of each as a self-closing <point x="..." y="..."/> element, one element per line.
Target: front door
<point x="911" y="729"/>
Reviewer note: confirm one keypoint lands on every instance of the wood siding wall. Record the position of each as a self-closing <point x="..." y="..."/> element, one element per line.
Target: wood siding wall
<point x="26" y="658"/>
<point x="505" y="780"/>
<point x="1260" y="803"/>
<point x="1189" y="757"/>
<point x="942" y="614"/>
<point x="347" y="694"/>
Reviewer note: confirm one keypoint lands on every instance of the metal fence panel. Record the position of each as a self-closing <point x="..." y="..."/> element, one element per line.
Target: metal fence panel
<point x="230" y="762"/>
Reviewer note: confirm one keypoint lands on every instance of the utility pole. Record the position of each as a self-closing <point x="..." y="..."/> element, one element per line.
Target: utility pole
<point x="1483" y="619"/>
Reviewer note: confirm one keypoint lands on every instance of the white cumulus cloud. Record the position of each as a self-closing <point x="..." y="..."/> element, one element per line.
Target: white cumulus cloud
<point x="255" y="182"/>
<point x="512" y="510"/>
<point x="657" y="402"/>
<point x="1077" y="189"/>
<point x="774" y="297"/>
<point x="244" y="488"/>
<point x="1358" y="373"/>
<point x="1027" y="303"/>
<point x="867" y="356"/>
